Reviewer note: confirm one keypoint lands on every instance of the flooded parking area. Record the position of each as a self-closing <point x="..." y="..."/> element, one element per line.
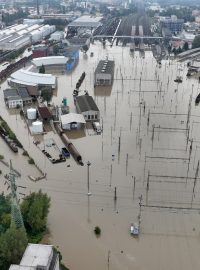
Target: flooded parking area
<point x="145" y="163"/>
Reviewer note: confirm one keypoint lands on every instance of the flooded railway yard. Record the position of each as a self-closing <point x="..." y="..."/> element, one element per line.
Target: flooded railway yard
<point x="144" y="164"/>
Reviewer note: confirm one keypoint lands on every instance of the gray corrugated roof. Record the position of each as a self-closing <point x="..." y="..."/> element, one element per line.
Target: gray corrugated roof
<point x="10" y="93"/>
<point x="108" y="66"/>
<point x="22" y="91"/>
<point x="86" y="103"/>
<point x="14" y="98"/>
<point x="16" y="94"/>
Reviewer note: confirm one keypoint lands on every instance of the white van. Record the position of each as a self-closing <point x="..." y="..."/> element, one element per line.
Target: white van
<point x="97" y="127"/>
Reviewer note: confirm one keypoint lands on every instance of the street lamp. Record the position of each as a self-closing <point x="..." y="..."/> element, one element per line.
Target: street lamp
<point x="88" y="178"/>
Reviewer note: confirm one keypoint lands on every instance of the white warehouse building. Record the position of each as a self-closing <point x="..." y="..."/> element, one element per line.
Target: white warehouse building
<point x="38" y="256"/>
<point x="57" y="36"/>
<point x="51" y="63"/>
<point x="19" y="36"/>
<point x="27" y="78"/>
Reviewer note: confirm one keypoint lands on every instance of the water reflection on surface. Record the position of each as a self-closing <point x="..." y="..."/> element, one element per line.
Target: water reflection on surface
<point x="147" y="137"/>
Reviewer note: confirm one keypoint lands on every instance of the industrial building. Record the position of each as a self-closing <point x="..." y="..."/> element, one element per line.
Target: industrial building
<point x="72" y="121"/>
<point x="27" y="78"/>
<point x="38" y="256"/>
<point x="52" y="63"/>
<point x="12" y="98"/>
<point x="173" y="24"/>
<point x="87" y="107"/>
<point x="21" y="35"/>
<point x="40" y="50"/>
<point x="17" y="97"/>
<point x="57" y="36"/>
<point x="104" y="73"/>
<point x="33" y="21"/>
<point x="71" y="52"/>
<point x="86" y="21"/>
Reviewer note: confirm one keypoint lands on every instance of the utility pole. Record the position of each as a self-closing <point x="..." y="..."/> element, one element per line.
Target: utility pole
<point x="38" y="11"/>
<point x="88" y="178"/>
<point x="195" y="180"/>
<point x="109" y="259"/>
<point x="140" y="205"/>
<point x="16" y="216"/>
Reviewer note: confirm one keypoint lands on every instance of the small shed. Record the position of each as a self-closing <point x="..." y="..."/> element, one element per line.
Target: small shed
<point x="87" y="107"/>
<point x="44" y="113"/>
<point x="72" y="121"/>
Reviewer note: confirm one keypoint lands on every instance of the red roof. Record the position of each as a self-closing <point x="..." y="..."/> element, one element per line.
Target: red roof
<point x="44" y="113"/>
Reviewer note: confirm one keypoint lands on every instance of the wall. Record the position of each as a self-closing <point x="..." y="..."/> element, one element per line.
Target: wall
<point x="69" y="126"/>
<point x="89" y="114"/>
<point x="103" y="77"/>
<point x="14" y="103"/>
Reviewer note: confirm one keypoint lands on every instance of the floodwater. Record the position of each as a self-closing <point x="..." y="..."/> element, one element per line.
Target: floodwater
<point x="157" y="158"/>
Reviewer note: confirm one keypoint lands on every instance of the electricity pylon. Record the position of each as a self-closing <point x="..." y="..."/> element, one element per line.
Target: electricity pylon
<point x="16" y="215"/>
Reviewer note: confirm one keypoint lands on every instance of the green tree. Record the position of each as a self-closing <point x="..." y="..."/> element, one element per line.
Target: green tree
<point x="46" y="94"/>
<point x="196" y="42"/>
<point x="185" y="46"/>
<point x="35" y="210"/>
<point x="55" y="49"/>
<point x="85" y="48"/>
<point x="42" y="69"/>
<point x="12" y="245"/>
<point x="179" y="50"/>
<point x="169" y="48"/>
<point x="5" y="209"/>
<point x="174" y="51"/>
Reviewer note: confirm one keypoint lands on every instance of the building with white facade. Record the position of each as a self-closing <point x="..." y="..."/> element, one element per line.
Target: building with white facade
<point x="26" y="78"/>
<point x="57" y="36"/>
<point x="51" y="63"/>
<point x="72" y="121"/>
<point x="21" y="35"/>
<point x="38" y="257"/>
<point x="87" y="107"/>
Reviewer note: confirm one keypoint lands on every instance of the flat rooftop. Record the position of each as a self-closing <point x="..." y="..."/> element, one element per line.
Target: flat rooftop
<point x="36" y="255"/>
<point x="87" y="21"/>
<point x="51" y="60"/>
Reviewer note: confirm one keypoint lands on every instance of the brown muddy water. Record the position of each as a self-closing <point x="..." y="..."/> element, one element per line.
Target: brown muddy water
<point x="159" y="149"/>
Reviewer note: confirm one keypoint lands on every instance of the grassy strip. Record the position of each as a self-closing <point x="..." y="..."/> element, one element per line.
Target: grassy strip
<point x="11" y="134"/>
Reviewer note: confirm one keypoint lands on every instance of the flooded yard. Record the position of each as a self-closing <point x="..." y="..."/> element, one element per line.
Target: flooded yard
<point x="149" y="146"/>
